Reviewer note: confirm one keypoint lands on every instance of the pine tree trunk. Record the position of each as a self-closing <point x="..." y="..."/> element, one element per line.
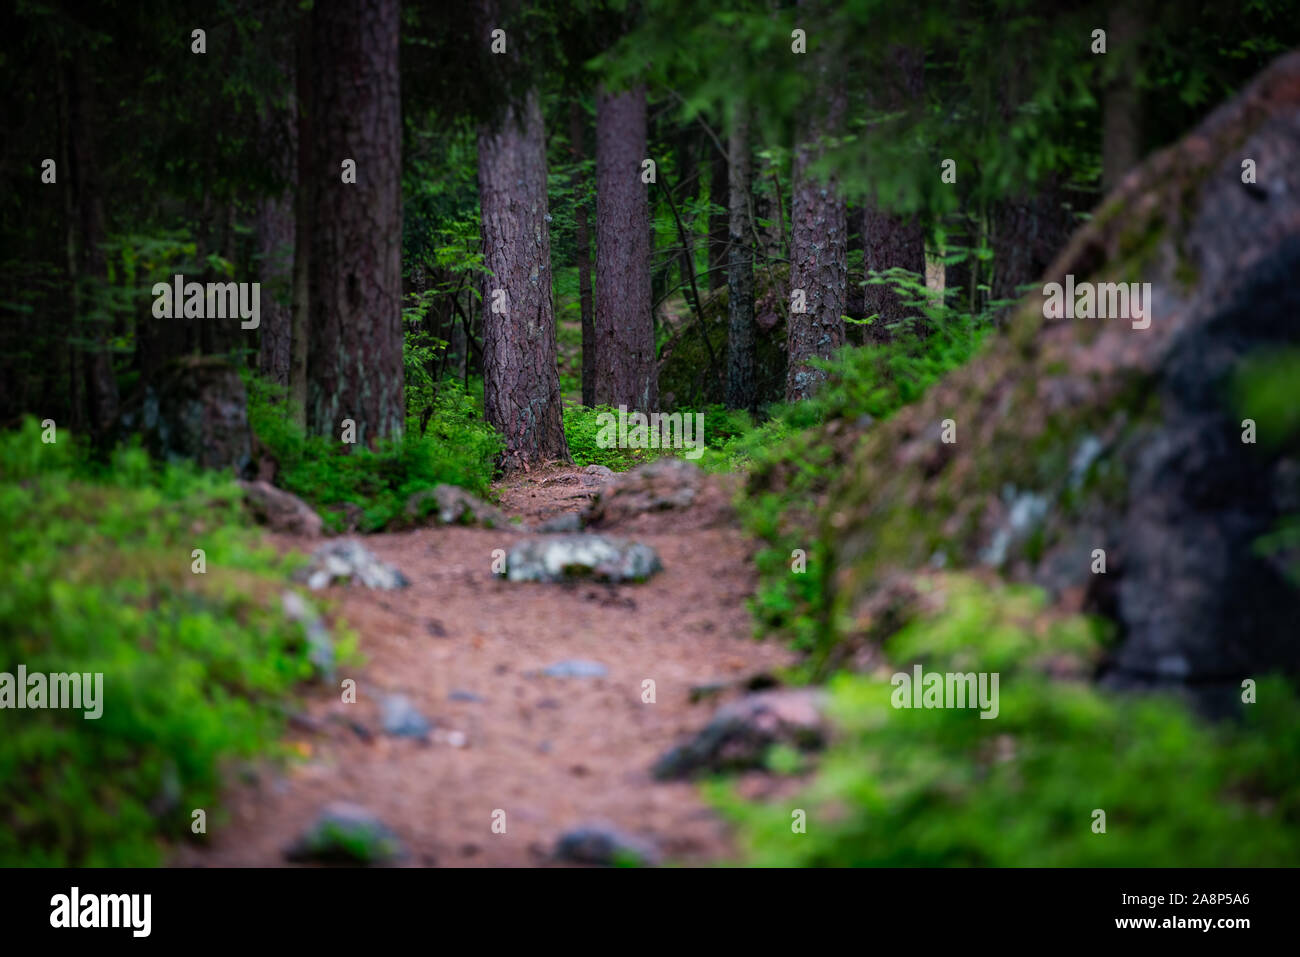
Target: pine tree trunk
<point x="888" y="240"/>
<point x="740" y="271"/>
<point x="300" y="316"/>
<point x="818" y="252"/>
<point x="521" y="384"/>
<point x="1121" y="122"/>
<point x="626" y="373"/>
<point x="275" y="245"/>
<point x="354" y="362"/>
<point x="583" y="240"/>
<point x="719" y="222"/>
<point x="91" y="270"/>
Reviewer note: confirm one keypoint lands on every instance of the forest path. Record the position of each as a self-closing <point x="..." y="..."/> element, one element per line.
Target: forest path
<point x="467" y="649"/>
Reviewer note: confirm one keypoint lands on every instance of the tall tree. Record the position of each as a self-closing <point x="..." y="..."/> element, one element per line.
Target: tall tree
<point x="741" y="392"/>
<point x="521" y="384"/>
<point x="577" y="127"/>
<point x="275" y="244"/>
<point x="626" y="373"/>
<point x="818" y="250"/>
<point x="719" y="219"/>
<point x="354" y="362"/>
<point x="889" y="240"/>
<point x="1121" y="110"/>
<point x="87" y="266"/>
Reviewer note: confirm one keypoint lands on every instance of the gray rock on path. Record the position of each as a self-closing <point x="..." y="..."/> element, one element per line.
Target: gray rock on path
<point x="345" y="559"/>
<point x="742" y="731"/>
<point x="576" y="668"/>
<point x="280" y="511"/>
<point x="666" y="483"/>
<point x="320" y="646"/>
<point x="346" y="834"/>
<point x="401" y="718"/>
<point x="604" y="846"/>
<point x="568" y="557"/>
<point x="449" y="505"/>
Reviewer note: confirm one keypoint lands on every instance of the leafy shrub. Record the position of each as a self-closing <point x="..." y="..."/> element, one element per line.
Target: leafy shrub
<point x="944" y="787"/>
<point x="456" y="448"/>
<point x="196" y="667"/>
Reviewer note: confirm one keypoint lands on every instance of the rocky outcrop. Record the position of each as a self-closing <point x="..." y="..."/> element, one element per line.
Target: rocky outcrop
<point x="196" y="409"/>
<point x="1078" y="436"/>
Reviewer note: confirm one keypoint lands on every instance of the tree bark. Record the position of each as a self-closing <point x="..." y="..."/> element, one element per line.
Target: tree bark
<point x="91" y="269"/>
<point x="719" y="222"/>
<point x="818" y="252"/>
<point x="354" y="361"/>
<point x="889" y="240"/>
<point x="626" y="373"/>
<point x="741" y="392"/>
<point x="521" y="384"/>
<point x="300" y="317"/>
<point x="275" y="248"/>
<point x="583" y="240"/>
<point x="1121" y="123"/>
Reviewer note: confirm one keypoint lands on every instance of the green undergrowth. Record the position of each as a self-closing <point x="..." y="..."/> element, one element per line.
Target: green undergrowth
<point x="583" y="427"/>
<point x="945" y="787"/>
<point x="99" y="576"/>
<point x="792" y="458"/>
<point x="455" y="447"/>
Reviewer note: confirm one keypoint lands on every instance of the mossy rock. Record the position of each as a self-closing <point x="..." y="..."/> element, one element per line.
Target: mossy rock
<point x="685" y="378"/>
<point x="1082" y="434"/>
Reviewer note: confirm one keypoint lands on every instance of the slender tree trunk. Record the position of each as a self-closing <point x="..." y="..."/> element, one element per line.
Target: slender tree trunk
<point x="521" y="384"/>
<point x="275" y="247"/>
<point x="818" y="251"/>
<point x="888" y="240"/>
<point x="1122" y="109"/>
<point x="302" y="231"/>
<point x="354" y="363"/>
<point x="583" y="240"/>
<point x="91" y="270"/>
<point x="740" y="270"/>
<point x="719" y="222"/>
<point x="626" y="373"/>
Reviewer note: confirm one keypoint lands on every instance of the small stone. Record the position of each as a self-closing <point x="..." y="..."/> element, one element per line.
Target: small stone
<point x="604" y="846"/>
<point x="345" y="559"/>
<point x="320" y="647"/>
<point x="457" y="739"/>
<point x="743" y="731"/>
<point x="347" y="834"/>
<point x="576" y="668"/>
<point x="402" y="719"/>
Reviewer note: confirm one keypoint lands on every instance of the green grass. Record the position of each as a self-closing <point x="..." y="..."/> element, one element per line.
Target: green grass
<point x="944" y="787"/>
<point x="97" y="570"/>
<point x="457" y="448"/>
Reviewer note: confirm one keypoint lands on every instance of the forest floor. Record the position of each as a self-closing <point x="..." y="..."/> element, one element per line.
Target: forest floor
<point x="468" y="649"/>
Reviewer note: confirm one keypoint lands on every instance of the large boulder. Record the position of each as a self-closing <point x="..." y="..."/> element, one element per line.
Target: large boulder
<point x="196" y="409"/>
<point x="280" y="511"/>
<point x="1074" y="435"/>
<point x="686" y="378"/>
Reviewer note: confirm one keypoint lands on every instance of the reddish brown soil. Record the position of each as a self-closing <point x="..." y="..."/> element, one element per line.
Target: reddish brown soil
<point x="552" y="753"/>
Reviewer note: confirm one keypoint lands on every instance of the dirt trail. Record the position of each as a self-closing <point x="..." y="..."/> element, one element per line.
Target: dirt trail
<point x="554" y="753"/>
